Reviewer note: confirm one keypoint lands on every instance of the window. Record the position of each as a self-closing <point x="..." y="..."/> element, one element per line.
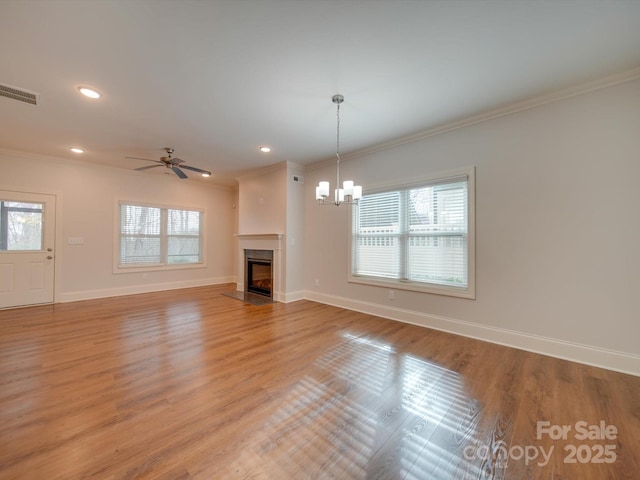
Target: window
<point x="20" y="226"/>
<point x="153" y="236"/>
<point x="417" y="236"/>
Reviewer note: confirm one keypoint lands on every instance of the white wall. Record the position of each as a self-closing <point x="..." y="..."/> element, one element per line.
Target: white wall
<point x="557" y="227"/>
<point x="263" y="201"/>
<point x="295" y="232"/>
<point x="271" y="202"/>
<point x="86" y="198"/>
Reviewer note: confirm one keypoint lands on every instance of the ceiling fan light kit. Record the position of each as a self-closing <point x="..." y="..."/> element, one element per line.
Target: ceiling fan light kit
<point x="349" y="193"/>
<point x="175" y="164"/>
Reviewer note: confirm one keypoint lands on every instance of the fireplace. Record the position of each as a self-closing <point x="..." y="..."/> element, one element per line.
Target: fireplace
<point x="259" y="272"/>
<point x="261" y="242"/>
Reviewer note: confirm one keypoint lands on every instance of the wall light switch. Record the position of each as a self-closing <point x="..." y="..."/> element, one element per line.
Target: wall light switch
<point x="75" y="240"/>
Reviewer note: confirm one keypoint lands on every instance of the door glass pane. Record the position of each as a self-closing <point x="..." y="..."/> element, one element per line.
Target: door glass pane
<point x="20" y="226"/>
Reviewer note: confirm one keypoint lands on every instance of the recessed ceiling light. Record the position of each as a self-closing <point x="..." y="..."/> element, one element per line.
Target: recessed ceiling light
<point x="89" y="92"/>
<point x="77" y="150"/>
<point x="265" y="149"/>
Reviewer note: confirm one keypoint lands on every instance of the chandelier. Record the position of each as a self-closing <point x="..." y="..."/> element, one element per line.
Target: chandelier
<point x="349" y="193"/>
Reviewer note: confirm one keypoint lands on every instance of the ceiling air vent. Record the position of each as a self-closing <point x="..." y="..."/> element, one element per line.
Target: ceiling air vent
<point x="19" y="94"/>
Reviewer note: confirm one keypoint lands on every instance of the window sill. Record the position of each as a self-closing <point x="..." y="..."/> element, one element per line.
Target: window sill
<point x="414" y="286"/>
<point x="156" y="267"/>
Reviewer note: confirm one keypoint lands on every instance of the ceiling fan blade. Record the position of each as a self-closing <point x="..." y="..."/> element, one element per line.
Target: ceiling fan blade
<point x="146" y="159"/>
<point x="179" y="172"/>
<point x="147" y="167"/>
<point x="194" y="169"/>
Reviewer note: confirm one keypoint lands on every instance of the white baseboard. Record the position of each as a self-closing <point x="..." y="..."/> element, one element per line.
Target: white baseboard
<point x="292" y="296"/>
<point x="142" y="288"/>
<point x="589" y="355"/>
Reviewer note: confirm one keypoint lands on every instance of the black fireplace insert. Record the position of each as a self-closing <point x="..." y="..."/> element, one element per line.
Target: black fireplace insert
<point x="259" y="272"/>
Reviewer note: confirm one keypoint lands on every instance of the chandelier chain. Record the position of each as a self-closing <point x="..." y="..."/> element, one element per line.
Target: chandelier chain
<point x="338" y="144"/>
<point x="338" y="132"/>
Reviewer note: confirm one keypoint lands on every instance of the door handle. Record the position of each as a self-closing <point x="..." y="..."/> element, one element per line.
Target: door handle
<point x="49" y="257"/>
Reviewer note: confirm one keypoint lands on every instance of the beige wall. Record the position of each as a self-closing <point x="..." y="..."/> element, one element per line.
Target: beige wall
<point x="557" y="227"/>
<point x="86" y="199"/>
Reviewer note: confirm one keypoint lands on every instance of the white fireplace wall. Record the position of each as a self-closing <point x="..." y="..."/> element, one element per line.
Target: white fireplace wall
<point x="262" y="199"/>
<point x="271" y="202"/>
<point x="295" y="232"/>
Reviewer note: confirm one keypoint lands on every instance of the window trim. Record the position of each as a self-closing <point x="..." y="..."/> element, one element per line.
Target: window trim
<point x="155" y="267"/>
<point x="393" y="284"/>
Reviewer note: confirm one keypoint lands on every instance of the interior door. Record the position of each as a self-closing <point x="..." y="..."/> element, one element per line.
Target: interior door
<point x="27" y="234"/>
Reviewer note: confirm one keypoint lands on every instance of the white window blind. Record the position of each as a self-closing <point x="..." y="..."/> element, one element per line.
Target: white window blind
<point x="414" y="235"/>
<point x="183" y="236"/>
<point x="159" y="236"/>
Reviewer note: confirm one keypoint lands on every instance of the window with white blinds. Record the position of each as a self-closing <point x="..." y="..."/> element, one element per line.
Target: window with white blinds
<point x="159" y="236"/>
<point x="416" y="237"/>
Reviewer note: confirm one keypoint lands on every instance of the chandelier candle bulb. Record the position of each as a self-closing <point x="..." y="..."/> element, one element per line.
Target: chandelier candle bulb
<point x="339" y="195"/>
<point x="348" y="187"/>
<point x="357" y="192"/>
<point x="323" y="189"/>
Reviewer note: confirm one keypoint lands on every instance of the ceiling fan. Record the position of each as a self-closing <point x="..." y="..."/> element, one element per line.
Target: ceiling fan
<point x="172" y="163"/>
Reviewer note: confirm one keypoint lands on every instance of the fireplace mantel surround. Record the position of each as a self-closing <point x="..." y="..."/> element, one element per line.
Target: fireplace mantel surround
<point x="262" y="241"/>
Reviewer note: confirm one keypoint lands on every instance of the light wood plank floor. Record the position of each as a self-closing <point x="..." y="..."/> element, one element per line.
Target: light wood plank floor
<point x="194" y="384"/>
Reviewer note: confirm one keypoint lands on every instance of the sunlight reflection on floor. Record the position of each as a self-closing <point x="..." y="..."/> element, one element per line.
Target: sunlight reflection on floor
<point x="367" y="411"/>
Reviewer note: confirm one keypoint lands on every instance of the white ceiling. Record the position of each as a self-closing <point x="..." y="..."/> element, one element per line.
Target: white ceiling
<point x="217" y="79"/>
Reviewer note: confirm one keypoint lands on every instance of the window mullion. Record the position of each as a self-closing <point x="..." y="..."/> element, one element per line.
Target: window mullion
<point x="404" y="235"/>
<point x="164" y="241"/>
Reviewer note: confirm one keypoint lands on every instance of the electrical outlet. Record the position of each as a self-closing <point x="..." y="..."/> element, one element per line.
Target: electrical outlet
<point x="392" y="295"/>
<point x="316" y="282"/>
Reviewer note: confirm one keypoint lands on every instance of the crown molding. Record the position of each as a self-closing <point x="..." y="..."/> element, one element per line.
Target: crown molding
<point x="86" y="164"/>
<point x="258" y="172"/>
<point x="40" y="157"/>
<point x="533" y="102"/>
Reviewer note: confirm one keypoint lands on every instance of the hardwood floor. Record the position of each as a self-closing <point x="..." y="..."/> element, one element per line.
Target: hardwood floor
<point x="194" y="384"/>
